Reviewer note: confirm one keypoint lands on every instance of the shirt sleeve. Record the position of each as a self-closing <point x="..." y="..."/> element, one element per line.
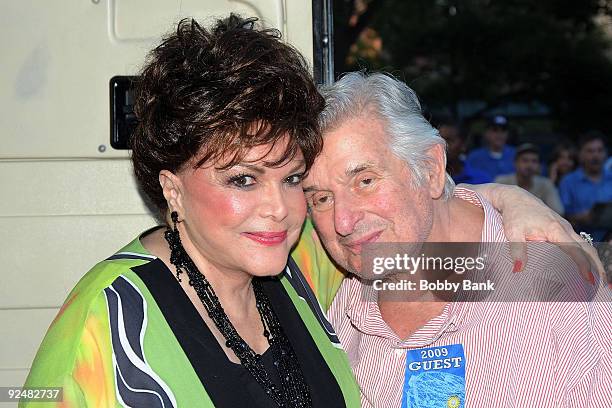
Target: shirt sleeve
<point x="75" y="355"/>
<point x="322" y="274"/>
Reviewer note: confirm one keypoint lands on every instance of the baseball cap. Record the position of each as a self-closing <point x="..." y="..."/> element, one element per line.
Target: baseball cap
<point x="526" y="148"/>
<point x="498" y="121"/>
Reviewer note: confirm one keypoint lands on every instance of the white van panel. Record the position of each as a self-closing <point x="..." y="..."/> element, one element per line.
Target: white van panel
<point x="57" y="62"/>
<point x="14" y="324"/>
<point x="68" y="198"/>
<point x="68" y="187"/>
<point x="42" y="268"/>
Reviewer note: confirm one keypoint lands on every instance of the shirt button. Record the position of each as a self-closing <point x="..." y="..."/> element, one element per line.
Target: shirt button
<point x="399" y="352"/>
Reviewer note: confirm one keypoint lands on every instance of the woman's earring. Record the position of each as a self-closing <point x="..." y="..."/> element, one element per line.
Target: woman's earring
<point x="176" y="247"/>
<point x="174" y="217"/>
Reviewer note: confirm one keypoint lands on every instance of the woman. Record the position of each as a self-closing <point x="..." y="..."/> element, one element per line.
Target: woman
<point x="211" y="311"/>
<point x="190" y="316"/>
<point x="562" y="161"/>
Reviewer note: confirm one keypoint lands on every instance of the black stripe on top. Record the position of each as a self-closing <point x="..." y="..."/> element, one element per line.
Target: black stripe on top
<point x="229" y="384"/>
<point x="135" y="381"/>
<point x="303" y="289"/>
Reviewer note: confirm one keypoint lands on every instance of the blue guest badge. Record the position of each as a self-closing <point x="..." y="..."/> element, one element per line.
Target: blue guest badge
<point x="435" y="378"/>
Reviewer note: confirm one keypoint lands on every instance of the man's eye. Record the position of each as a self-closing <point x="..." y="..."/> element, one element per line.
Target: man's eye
<point x="366" y="182"/>
<point x="243" y="181"/>
<point x="321" y="201"/>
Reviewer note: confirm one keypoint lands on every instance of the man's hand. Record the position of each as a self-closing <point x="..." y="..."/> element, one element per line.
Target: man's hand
<point x="527" y="218"/>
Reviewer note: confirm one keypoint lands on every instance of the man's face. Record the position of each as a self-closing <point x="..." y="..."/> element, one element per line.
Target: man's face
<point x="359" y="192"/>
<point x="527" y="164"/>
<point x="592" y="156"/>
<point x="496" y="137"/>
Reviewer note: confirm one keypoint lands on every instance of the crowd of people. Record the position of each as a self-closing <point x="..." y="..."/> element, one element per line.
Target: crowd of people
<point x="576" y="180"/>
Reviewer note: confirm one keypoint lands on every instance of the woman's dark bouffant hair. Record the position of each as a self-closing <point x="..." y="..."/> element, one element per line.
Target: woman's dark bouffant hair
<point x="208" y="96"/>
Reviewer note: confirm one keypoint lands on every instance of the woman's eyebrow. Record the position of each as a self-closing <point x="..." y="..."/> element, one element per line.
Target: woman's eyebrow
<point x="253" y="167"/>
<point x="262" y="169"/>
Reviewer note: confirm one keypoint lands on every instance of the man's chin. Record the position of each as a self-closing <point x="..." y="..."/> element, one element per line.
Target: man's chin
<point x="352" y="268"/>
<point x="596" y="167"/>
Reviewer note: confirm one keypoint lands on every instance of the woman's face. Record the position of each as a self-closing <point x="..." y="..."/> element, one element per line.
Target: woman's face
<point x="565" y="162"/>
<point x="245" y="218"/>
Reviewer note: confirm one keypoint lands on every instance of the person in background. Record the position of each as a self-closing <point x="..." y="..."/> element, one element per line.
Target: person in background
<point x="461" y="172"/>
<point x="527" y="164"/>
<point x="495" y="157"/>
<point x="562" y="161"/>
<point x="589" y="185"/>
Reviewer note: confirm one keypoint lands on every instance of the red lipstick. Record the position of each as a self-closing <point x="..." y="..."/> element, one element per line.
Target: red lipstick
<point x="267" y="238"/>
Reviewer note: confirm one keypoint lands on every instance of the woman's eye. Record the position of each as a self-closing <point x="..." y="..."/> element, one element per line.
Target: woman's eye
<point x="243" y="181"/>
<point x="295" y="179"/>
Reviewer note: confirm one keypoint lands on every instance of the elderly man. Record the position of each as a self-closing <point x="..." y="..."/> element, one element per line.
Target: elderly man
<point x="381" y="179"/>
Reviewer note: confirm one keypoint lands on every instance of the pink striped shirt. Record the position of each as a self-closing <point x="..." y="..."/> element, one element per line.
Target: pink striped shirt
<point x="529" y="354"/>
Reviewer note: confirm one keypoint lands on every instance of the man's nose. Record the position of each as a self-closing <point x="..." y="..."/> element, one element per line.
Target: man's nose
<point x="347" y="214"/>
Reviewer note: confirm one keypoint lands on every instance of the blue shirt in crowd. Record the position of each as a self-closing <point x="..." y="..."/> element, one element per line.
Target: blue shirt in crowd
<point x="484" y="160"/>
<point x="579" y="193"/>
<point x="471" y="175"/>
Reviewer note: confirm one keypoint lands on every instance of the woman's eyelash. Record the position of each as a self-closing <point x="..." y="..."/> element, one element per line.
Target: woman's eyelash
<point x="237" y="178"/>
<point x="300" y="176"/>
<point x="247" y="180"/>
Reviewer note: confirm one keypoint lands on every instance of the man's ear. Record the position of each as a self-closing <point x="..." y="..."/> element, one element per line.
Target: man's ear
<point x="437" y="171"/>
<point x="172" y="189"/>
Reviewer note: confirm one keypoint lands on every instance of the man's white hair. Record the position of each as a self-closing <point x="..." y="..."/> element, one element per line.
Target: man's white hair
<point x="411" y="136"/>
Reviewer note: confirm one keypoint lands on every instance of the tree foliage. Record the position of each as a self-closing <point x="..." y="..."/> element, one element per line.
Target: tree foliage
<point x="551" y="51"/>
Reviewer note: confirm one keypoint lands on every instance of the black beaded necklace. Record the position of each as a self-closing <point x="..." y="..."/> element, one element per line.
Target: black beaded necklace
<point x="293" y="391"/>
